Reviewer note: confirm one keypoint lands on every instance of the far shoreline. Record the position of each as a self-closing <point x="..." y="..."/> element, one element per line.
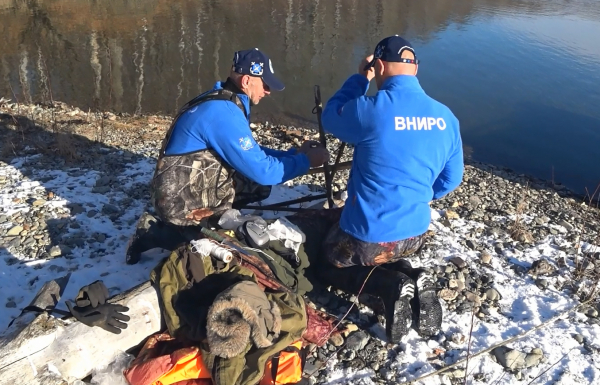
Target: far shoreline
<point x="58" y="118"/>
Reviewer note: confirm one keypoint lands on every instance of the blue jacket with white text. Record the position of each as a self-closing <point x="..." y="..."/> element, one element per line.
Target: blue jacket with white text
<point x="220" y="125"/>
<point x="408" y="151"/>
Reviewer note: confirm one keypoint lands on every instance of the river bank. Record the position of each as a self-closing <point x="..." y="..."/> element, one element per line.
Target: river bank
<point x="509" y="249"/>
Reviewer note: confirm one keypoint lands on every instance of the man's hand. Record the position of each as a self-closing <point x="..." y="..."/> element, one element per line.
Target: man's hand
<point x="317" y="156"/>
<point x="370" y="73"/>
<point x="307" y="145"/>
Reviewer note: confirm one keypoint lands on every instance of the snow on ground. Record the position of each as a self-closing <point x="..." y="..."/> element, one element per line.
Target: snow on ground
<point x="522" y="306"/>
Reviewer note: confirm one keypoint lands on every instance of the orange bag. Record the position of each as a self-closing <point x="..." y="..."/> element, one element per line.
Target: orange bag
<point x="286" y="367"/>
<point x="187" y="367"/>
<point x="165" y="361"/>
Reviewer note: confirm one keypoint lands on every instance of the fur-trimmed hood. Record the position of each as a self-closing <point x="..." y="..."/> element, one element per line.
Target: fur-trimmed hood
<point x="240" y="314"/>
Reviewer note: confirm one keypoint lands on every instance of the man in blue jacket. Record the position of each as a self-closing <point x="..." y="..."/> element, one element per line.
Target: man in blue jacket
<point x="408" y="151"/>
<point x="210" y="161"/>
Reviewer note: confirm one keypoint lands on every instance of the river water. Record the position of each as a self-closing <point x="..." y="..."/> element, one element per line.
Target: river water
<point x="522" y="76"/>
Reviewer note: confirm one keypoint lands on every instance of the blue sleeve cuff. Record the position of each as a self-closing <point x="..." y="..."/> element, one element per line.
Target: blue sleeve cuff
<point x="360" y="81"/>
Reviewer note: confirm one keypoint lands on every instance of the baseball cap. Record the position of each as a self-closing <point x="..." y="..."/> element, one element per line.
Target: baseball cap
<point x="255" y="63"/>
<point x="390" y="49"/>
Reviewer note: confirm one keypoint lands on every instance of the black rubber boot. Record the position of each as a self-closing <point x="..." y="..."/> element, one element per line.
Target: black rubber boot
<point x="394" y="288"/>
<point x="426" y="307"/>
<point x="151" y="232"/>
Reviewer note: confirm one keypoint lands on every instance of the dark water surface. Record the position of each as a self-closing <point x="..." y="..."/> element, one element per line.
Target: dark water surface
<point x="522" y="76"/>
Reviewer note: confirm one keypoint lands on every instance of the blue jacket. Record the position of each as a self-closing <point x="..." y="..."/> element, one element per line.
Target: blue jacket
<point x="408" y="151"/>
<point x="220" y="125"/>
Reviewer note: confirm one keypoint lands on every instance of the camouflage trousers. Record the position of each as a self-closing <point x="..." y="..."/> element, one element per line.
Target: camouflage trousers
<point x="188" y="188"/>
<point x="343" y="250"/>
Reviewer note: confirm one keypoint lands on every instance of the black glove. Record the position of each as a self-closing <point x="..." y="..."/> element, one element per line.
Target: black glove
<point x="106" y="316"/>
<point x="93" y="294"/>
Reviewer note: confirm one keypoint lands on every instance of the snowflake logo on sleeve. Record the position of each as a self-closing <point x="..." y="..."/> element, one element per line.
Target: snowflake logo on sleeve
<point x="246" y="143"/>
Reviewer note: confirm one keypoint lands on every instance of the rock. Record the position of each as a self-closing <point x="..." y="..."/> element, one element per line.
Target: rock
<point x="470" y="244"/>
<point x="64" y="249"/>
<point x="541" y="267"/>
<point x="509" y="358"/>
<point x="458" y="338"/>
<point x="522" y="235"/>
<point x="534" y="358"/>
<point x="457" y="373"/>
<point x="565" y="224"/>
<point x="541" y="283"/>
<point x="110" y="209"/>
<point x="38" y="202"/>
<point x="449" y="269"/>
<point x="453" y="283"/>
<point x="451" y="214"/>
<point x="14" y="231"/>
<point x="92" y="213"/>
<point x="336" y="340"/>
<point x="591" y="312"/>
<point x="472" y="297"/>
<point x="14" y="243"/>
<point x="349" y="355"/>
<point x="11" y="304"/>
<point x="448" y="294"/>
<point x="29" y="242"/>
<point x="492" y="294"/>
<point x="54" y="251"/>
<point x="350" y="328"/>
<point x="101" y="189"/>
<point x="579" y="338"/>
<point x="486" y="258"/>
<point x="77" y="209"/>
<point x="474" y="201"/>
<point x="357" y="340"/>
<point x="459" y="262"/>
<point x="57" y="269"/>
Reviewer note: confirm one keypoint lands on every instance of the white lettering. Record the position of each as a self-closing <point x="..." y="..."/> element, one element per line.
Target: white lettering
<point x="430" y="123"/>
<point x="411" y="122"/>
<point x="422" y="123"/>
<point x="400" y="125"/>
<point x="441" y="124"/>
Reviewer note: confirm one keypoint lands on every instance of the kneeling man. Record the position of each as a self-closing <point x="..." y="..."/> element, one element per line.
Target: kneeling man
<point x="210" y="161"/>
<point x="408" y="151"/>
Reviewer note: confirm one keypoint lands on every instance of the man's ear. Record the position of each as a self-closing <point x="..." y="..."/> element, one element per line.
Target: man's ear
<point x="416" y="69"/>
<point x="244" y="81"/>
<point x="379" y="68"/>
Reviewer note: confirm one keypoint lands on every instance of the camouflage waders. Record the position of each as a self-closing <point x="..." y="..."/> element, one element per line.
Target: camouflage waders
<point x="190" y="187"/>
<point x="343" y="250"/>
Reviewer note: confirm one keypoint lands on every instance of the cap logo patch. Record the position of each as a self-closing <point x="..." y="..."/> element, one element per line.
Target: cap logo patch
<point x="379" y="51"/>
<point x="256" y="68"/>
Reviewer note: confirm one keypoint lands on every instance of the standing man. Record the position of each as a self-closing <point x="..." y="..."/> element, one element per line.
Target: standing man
<point x="408" y="151"/>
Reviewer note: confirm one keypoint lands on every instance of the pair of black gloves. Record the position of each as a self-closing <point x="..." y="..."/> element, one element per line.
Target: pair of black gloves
<point x="91" y="309"/>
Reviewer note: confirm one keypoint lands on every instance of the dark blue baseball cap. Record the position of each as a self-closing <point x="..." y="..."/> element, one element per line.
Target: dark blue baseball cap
<point x="390" y="49"/>
<point x="255" y="63"/>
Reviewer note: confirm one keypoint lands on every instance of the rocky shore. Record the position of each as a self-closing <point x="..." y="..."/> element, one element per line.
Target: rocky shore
<point x="508" y="251"/>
